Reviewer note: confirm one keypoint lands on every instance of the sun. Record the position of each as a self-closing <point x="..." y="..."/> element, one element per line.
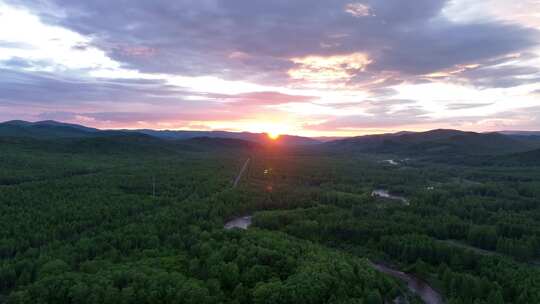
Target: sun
<point x="273" y="135"/>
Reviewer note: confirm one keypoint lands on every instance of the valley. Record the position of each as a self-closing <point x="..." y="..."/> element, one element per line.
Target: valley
<point x="136" y="218"/>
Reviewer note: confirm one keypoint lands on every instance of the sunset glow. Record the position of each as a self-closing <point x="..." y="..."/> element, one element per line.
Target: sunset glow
<point x="273" y="136"/>
<point x="339" y="68"/>
<point x="326" y="69"/>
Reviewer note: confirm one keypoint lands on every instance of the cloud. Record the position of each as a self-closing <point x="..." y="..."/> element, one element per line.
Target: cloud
<point x="505" y="76"/>
<point x="328" y="69"/>
<point x="347" y="62"/>
<point x="416" y="119"/>
<point x="382" y="92"/>
<point x="149" y="117"/>
<point x="266" y="98"/>
<point x="198" y="37"/>
<point x="358" y="9"/>
<point x="385" y="107"/>
<point x="462" y="106"/>
<point x="102" y="102"/>
<point x="50" y="89"/>
<point x="397" y="120"/>
<point x="148" y="100"/>
<point x="518" y="119"/>
<point x="377" y="114"/>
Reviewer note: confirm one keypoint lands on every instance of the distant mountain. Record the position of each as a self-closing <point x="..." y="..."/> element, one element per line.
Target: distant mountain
<point x="215" y="142"/>
<point x="128" y="143"/>
<point x="49" y="123"/>
<point x="17" y="123"/>
<point x="44" y="129"/>
<point x="253" y="137"/>
<point x="439" y="143"/>
<point x="533" y="137"/>
<point x="529" y="158"/>
<point x="521" y="133"/>
<point x="50" y="129"/>
<point x="328" y="138"/>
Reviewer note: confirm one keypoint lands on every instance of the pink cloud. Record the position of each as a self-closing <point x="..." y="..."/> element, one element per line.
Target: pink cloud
<point x="268" y="98"/>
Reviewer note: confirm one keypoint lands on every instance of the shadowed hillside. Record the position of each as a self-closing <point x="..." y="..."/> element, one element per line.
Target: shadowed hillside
<point x="435" y="143"/>
<point x="53" y="129"/>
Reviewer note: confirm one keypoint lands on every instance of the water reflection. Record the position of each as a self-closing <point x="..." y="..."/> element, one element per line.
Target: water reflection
<point x="421" y="288"/>
<point x="240" y="222"/>
<point x="385" y="194"/>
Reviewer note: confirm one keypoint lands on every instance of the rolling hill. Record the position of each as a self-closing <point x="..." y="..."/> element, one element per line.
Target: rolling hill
<point x="434" y="144"/>
<point x="440" y="143"/>
<point x="52" y="129"/>
<point x="248" y="136"/>
<point x="521" y="133"/>
<point x="44" y="129"/>
<point x="528" y="158"/>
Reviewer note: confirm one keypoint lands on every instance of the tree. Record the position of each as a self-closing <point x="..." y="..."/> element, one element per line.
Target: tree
<point x="495" y="297"/>
<point x="53" y="267"/>
<point x="374" y="297"/>
<point x="269" y="293"/>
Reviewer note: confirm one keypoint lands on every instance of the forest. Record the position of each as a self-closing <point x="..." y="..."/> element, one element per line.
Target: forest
<point x="136" y="219"/>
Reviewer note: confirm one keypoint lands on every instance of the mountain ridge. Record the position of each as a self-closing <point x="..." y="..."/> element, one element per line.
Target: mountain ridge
<point x="54" y="129"/>
<point x="438" y="142"/>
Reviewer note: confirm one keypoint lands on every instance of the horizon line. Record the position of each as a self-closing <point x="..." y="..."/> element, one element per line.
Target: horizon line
<point x="251" y="132"/>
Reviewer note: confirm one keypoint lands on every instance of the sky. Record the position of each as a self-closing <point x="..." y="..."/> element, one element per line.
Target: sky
<point x="305" y="67"/>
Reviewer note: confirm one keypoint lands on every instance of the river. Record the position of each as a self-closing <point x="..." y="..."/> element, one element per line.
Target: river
<point x="390" y="162"/>
<point x="385" y="194"/>
<point x="240" y="222"/>
<point x="419" y="287"/>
